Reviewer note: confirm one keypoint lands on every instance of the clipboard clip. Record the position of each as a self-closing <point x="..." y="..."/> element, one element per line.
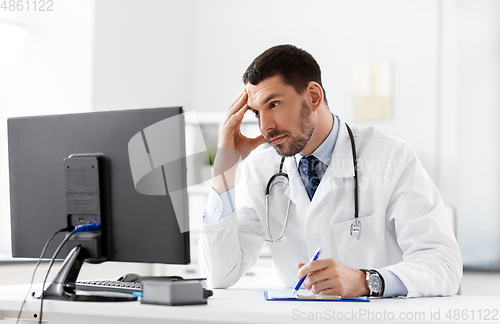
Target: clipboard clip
<point x="319" y="297"/>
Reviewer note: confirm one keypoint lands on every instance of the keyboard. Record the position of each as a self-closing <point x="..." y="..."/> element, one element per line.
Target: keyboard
<point x="120" y="286"/>
<point x="110" y="286"/>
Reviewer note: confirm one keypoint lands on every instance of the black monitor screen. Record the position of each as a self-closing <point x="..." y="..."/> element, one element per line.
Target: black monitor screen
<point x="147" y="203"/>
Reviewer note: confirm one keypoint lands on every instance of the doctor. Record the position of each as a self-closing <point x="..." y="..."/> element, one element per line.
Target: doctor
<point x="406" y="245"/>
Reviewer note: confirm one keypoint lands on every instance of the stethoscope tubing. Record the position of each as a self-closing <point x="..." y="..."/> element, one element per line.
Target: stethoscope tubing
<point x="355" y="227"/>
<point x="355" y="164"/>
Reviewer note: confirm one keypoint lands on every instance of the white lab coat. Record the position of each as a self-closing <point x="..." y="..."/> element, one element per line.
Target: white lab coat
<point x="404" y="227"/>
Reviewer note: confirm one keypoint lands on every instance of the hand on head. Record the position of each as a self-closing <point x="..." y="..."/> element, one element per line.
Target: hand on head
<point x="233" y="146"/>
<point x="230" y="132"/>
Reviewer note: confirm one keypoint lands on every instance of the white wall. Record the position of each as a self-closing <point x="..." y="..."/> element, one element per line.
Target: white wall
<point x="468" y="155"/>
<point x="479" y="111"/>
<point x="45" y="64"/>
<point x="142" y="54"/>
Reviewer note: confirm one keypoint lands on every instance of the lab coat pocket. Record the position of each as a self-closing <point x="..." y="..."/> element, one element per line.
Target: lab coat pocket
<point x="367" y="252"/>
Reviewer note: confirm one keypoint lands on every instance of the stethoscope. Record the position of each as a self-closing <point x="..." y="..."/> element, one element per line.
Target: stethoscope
<point x="355" y="229"/>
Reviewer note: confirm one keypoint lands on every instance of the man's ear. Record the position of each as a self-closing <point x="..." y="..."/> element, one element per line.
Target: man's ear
<point x="315" y="95"/>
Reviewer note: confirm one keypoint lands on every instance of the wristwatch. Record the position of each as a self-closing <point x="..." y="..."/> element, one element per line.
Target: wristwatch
<point x="374" y="282"/>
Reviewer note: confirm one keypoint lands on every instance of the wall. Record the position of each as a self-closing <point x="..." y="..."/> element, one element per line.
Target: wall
<point x="142" y="54"/>
<point x="479" y="110"/>
<point x="468" y="117"/>
<point x="45" y="64"/>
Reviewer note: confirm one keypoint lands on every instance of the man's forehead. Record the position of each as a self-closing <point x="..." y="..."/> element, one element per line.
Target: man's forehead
<point x="272" y="84"/>
<point x="254" y="90"/>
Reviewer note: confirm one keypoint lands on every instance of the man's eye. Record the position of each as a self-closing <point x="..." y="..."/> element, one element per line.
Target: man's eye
<point x="273" y="104"/>
<point x="256" y="113"/>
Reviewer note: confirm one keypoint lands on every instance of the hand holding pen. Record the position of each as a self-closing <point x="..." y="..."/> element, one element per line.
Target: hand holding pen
<point x="301" y="281"/>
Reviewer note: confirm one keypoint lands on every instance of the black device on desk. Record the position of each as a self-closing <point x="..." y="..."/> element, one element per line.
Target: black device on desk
<point x="122" y="170"/>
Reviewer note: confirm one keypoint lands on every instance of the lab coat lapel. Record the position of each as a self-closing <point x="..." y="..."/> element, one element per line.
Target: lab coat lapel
<point x="341" y="166"/>
<point x="296" y="191"/>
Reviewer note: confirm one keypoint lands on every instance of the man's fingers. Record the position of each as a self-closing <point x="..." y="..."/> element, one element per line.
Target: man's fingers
<point x="329" y="292"/>
<point x="240" y="121"/>
<point x="300" y="265"/>
<point x="239" y="97"/>
<point x="237" y="106"/>
<point x="317" y="277"/>
<point x="236" y="117"/>
<point x="322" y="285"/>
<point x="312" y="266"/>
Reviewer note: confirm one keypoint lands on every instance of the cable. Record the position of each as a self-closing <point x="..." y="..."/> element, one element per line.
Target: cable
<point x="48" y="271"/>
<point x="66" y="229"/>
<point x="79" y="228"/>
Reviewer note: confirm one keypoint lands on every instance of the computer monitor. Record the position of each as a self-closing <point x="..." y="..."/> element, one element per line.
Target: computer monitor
<point x="138" y="194"/>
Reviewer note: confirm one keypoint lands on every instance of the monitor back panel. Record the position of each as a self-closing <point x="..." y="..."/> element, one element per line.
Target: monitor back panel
<point x="143" y="228"/>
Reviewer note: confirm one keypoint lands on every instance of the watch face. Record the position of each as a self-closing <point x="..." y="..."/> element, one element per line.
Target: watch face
<point x="374" y="283"/>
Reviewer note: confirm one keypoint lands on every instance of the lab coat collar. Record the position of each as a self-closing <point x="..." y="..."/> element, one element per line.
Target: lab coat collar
<point x="295" y="191"/>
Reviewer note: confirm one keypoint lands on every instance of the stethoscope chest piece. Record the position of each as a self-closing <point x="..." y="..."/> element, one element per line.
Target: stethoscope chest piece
<point x="356" y="228"/>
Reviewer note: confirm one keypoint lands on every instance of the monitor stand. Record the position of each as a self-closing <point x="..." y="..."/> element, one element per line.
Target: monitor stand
<point x="63" y="286"/>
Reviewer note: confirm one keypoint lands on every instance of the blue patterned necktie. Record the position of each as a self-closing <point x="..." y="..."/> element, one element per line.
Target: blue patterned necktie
<point x="310" y="162"/>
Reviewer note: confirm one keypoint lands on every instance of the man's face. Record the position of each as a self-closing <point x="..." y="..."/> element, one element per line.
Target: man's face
<point x="283" y="115"/>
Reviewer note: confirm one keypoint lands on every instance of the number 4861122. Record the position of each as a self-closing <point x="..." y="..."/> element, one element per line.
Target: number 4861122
<point x="27" y="5"/>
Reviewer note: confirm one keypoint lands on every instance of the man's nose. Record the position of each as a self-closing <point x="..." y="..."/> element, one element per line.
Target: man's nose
<point x="267" y="123"/>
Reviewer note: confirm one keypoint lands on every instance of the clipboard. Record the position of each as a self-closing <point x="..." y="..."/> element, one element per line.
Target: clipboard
<point x="279" y="295"/>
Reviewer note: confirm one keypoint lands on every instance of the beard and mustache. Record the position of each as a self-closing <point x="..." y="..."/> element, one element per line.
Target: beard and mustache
<point x="298" y="142"/>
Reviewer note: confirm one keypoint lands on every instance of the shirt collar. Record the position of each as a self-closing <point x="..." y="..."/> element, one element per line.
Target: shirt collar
<point x="324" y="152"/>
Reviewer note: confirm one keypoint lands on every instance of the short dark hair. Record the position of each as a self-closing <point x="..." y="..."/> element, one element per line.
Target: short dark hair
<point x="295" y="66"/>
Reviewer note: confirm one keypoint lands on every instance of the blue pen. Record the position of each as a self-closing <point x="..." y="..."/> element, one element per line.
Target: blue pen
<point x="301" y="281"/>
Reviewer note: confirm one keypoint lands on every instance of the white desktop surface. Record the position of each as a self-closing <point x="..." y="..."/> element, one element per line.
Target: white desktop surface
<point x="249" y="306"/>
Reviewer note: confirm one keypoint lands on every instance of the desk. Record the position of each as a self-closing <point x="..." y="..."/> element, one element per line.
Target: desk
<point x="249" y="306"/>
